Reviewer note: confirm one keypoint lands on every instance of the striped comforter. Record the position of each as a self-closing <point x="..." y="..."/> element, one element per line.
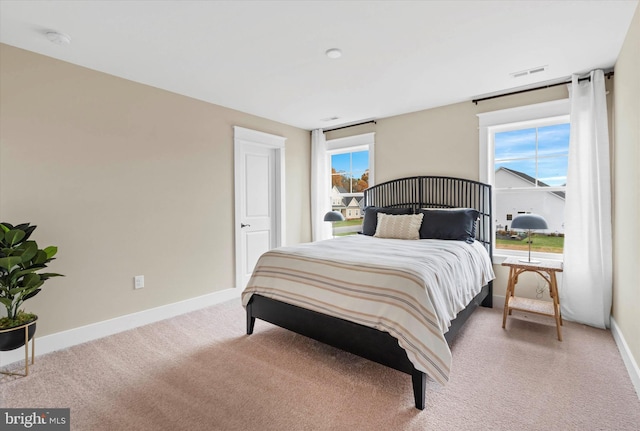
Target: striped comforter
<point x="410" y="289"/>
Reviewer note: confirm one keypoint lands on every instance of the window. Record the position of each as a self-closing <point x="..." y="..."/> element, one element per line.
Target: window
<point x="351" y="173"/>
<point x="525" y="156"/>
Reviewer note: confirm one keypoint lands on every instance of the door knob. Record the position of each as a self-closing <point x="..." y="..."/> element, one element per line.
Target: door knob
<point x="244" y="225"/>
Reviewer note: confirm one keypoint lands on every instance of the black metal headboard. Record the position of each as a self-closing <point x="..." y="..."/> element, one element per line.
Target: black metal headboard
<point x="437" y="192"/>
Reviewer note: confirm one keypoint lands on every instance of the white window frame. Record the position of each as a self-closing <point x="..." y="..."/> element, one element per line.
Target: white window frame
<point x="537" y="115"/>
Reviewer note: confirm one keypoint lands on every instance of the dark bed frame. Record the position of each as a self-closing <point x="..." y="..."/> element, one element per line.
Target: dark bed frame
<point x="369" y="343"/>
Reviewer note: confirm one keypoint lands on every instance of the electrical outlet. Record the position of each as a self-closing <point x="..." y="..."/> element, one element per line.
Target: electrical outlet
<point x="138" y="281"/>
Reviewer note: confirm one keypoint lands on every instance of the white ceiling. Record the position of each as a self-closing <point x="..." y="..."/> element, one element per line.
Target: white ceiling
<point x="267" y="57"/>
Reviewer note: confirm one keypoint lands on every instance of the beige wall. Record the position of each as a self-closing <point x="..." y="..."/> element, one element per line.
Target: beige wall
<point x="126" y="180"/>
<point x="626" y="177"/>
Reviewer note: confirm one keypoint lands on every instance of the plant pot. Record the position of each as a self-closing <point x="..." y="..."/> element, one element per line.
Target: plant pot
<point x="13" y="338"/>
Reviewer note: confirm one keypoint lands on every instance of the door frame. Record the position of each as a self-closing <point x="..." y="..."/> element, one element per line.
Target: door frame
<point x="242" y="136"/>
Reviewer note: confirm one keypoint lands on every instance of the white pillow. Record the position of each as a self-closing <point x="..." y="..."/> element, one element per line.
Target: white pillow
<point x="403" y="226"/>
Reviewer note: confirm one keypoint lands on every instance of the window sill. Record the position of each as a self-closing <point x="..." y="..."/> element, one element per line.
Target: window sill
<point x="500" y="255"/>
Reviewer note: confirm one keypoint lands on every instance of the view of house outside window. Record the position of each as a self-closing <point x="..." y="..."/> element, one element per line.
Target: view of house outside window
<point x="349" y="179"/>
<point x="530" y="177"/>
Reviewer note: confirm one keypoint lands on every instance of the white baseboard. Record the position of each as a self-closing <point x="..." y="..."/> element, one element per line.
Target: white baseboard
<point x="64" y="339"/>
<point x="498" y="301"/>
<point x="627" y="357"/>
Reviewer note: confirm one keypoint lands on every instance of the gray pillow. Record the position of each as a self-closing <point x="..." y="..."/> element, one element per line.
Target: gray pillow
<point x="370" y="222"/>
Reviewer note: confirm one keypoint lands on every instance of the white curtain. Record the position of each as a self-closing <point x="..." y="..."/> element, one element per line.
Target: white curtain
<point x="320" y="186"/>
<point x="587" y="280"/>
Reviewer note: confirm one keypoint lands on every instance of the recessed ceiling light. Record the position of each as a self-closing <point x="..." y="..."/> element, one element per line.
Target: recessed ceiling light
<point x="58" y="38"/>
<point x="333" y="53"/>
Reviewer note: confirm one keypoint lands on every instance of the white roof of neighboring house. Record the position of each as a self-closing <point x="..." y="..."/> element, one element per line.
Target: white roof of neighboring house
<point x="530" y="180"/>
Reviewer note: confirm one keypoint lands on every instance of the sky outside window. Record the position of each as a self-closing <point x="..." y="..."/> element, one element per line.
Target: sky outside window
<point x="541" y="152"/>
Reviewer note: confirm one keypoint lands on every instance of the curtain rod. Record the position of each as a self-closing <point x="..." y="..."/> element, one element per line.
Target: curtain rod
<point x="350" y="125"/>
<point x="588" y="78"/>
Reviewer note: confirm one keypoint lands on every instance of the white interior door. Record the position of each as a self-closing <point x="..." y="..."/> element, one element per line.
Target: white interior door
<point x="259" y="198"/>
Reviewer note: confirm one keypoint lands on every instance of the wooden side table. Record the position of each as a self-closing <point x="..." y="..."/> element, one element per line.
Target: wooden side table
<point x="547" y="270"/>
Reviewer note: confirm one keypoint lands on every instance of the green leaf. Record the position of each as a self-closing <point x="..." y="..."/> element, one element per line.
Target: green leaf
<point x="51" y="251"/>
<point x="10" y="262"/>
<point x="28" y="230"/>
<point x="30" y="249"/>
<point x="40" y="259"/>
<point x="31" y="295"/>
<point x="27" y="291"/>
<point x="6" y="227"/>
<point x="6" y="302"/>
<point x="14" y="236"/>
<point x="30" y="280"/>
<point x="17" y="274"/>
<point x="48" y="275"/>
<point x="17" y="290"/>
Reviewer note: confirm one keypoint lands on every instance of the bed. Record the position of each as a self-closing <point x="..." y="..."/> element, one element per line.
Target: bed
<point x="396" y="302"/>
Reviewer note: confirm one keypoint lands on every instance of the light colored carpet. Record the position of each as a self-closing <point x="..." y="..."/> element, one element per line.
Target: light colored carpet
<point x="201" y="372"/>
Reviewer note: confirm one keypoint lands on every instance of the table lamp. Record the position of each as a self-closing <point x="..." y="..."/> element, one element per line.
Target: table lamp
<point x="529" y="222"/>
<point x="333" y="216"/>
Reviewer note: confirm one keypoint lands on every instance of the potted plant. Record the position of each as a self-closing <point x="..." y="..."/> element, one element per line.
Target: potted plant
<point x="20" y="262"/>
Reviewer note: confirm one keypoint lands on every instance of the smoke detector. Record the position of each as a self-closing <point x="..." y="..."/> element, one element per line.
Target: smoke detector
<point x="58" y="38"/>
<point x="333" y="53"/>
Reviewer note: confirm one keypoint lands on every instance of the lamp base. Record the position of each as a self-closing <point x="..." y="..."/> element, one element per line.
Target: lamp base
<point x="530" y="261"/>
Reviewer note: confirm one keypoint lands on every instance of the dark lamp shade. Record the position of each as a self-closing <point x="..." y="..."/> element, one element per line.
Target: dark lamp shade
<point x="529" y="222"/>
<point x="333" y="216"/>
